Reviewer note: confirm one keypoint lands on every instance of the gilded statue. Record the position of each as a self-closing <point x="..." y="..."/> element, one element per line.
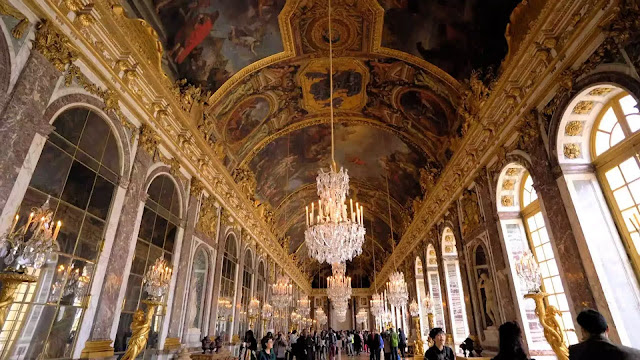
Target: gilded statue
<point x="549" y="321"/>
<point x="7" y="9"/>
<point x="490" y="304"/>
<point x="139" y="333"/>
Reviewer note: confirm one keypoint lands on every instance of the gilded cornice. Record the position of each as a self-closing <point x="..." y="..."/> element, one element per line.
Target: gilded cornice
<point x="523" y="84"/>
<point x="125" y="55"/>
<point x="363" y="292"/>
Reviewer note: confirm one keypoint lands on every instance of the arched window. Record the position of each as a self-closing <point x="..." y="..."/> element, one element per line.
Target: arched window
<point x="79" y="168"/>
<point x="197" y="297"/>
<point x="156" y="238"/>
<point x="260" y="286"/>
<point x="434" y="286"/>
<point x="421" y="296"/>
<point x="457" y="308"/>
<point x="228" y="278"/>
<point x="598" y="142"/>
<point x="247" y="277"/>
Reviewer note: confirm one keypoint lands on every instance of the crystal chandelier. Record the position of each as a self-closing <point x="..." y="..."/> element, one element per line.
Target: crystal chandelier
<point x="224" y="308"/>
<point x="361" y="316"/>
<point x="376" y="305"/>
<point x="321" y="316"/>
<point x="397" y="293"/>
<point x="341" y="307"/>
<point x="31" y="244"/>
<point x="414" y="309"/>
<point x="267" y="311"/>
<point x="529" y="273"/>
<point x="156" y="279"/>
<point x="304" y="305"/>
<point x="427" y="302"/>
<point x="334" y="233"/>
<point x="281" y="292"/>
<point x="339" y="285"/>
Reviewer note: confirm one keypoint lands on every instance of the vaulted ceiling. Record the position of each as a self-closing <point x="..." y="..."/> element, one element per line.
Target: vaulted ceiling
<point x="398" y="67"/>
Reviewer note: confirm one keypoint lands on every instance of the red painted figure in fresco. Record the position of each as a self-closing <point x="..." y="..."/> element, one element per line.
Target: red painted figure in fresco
<point x="193" y="33"/>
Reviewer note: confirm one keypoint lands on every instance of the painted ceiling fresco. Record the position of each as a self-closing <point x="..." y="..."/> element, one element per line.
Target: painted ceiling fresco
<point x="207" y="41"/>
<point x="455" y="35"/>
<point x="397" y="72"/>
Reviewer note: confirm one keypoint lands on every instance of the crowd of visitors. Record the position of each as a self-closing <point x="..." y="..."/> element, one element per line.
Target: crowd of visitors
<point x="329" y="345"/>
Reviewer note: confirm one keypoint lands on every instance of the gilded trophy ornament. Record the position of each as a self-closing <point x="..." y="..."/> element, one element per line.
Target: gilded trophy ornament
<point x="549" y="321"/>
<point x="140" y="330"/>
<point x="7" y="9"/>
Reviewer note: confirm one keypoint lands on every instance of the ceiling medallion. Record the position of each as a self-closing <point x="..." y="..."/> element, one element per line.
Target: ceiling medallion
<point x="333" y="234"/>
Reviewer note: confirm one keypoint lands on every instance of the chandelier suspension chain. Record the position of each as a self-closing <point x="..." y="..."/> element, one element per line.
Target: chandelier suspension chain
<point x="333" y="159"/>
<point x="393" y="242"/>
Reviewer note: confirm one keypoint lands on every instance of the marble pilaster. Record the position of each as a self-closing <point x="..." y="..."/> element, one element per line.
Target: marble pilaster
<point x="559" y="228"/>
<point x="182" y="275"/>
<point x="217" y="281"/>
<point x="507" y="302"/>
<point x="108" y="309"/>
<point x="20" y="121"/>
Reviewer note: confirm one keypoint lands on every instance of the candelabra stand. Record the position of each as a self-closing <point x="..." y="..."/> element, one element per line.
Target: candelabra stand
<point x="548" y="320"/>
<point x="432" y="324"/>
<point x="418" y="343"/>
<point x="140" y="329"/>
<point x="10" y="281"/>
<point x="156" y="282"/>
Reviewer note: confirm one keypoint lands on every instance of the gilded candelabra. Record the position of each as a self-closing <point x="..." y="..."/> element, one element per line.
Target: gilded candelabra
<point x="414" y="310"/>
<point x="156" y="283"/>
<point x="253" y="311"/>
<point x="432" y="324"/>
<point x="28" y="246"/>
<point x="549" y="321"/>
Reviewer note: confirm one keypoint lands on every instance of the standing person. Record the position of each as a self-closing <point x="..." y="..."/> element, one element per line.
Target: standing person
<point x="510" y="343"/>
<point x="310" y="346"/>
<point x="402" y="342"/>
<point x="293" y="338"/>
<point x="386" y="347"/>
<point x="267" y="352"/>
<point x="323" y="345"/>
<point x="281" y="347"/>
<point x="301" y="346"/>
<point x="349" y="339"/>
<point x="332" y="340"/>
<point x="394" y="344"/>
<point x="249" y="347"/>
<point x="357" y="343"/>
<point x="596" y="344"/>
<point x="439" y="351"/>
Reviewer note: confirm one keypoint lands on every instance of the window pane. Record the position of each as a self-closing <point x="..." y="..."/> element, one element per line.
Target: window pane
<point x="623" y="198"/>
<point x="70" y="124"/>
<point x="93" y="137"/>
<point x="634" y="122"/>
<point x="90" y="238"/>
<point x="628" y="104"/>
<point x="630" y="169"/>
<point x="79" y="184"/>
<point x="101" y="198"/>
<point x="111" y="156"/>
<point x="71" y="223"/>
<point x="616" y="135"/>
<point x="608" y="121"/>
<point x="557" y="284"/>
<point x="602" y="142"/>
<point x="146" y="225"/>
<point x="614" y="177"/>
<point x="52" y="169"/>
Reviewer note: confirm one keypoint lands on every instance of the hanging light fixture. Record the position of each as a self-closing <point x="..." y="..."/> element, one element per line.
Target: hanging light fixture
<point x="339" y="285"/>
<point x="414" y="309"/>
<point x="376" y="304"/>
<point x="361" y="316"/>
<point x="334" y="232"/>
<point x="281" y="292"/>
<point x="340" y="308"/>
<point x="321" y="317"/>
<point x="304" y="305"/>
<point x="397" y="292"/>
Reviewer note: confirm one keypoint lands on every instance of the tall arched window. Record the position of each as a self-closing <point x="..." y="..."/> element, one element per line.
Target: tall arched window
<point x="79" y="168"/>
<point x="457" y="309"/>
<point x="197" y="297"/>
<point x="434" y="286"/>
<point x="597" y="141"/>
<point x="247" y="277"/>
<point x="421" y="295"/>
<point x="228" y="279"/>
<point x="156" y="238"/>
<point x="260" y="287"/>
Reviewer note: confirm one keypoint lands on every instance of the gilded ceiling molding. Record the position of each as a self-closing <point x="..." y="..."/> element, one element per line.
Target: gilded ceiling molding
<point x="499" y="114"/>
<point x="126" y="54"/>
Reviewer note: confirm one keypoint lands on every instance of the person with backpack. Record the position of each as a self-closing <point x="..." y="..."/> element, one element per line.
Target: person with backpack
<point x="402" y="343"/>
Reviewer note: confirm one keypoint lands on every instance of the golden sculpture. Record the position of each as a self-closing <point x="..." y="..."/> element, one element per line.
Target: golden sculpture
<point x="418" y="343"/>
<point x="432" y="324"/>
<point x="549" y="321"/>
<point x="7" y="9"/>
<point x="10" y="282"/>
<point x="140" y="330"/>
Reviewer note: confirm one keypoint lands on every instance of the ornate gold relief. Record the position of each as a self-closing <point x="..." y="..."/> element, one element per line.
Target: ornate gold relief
<point x="471" y="211"/>
<point x="572" y="151"/>
<point x="508" y="184"/>
<point x="245" y="178"/>
<point x="54" y="46"/>
<point x="7" y="9"/>
<point x="208" y="220"/>
<point x="601" y="91"/>
<point x="583" y="107"/>
<point x="506" y="200"/>
<point x="196" y="188"/>
<point x="513" y="171"/>
<point x="148" y="139"/>
<point x="573" y="128"/>
<point x="473" y="99"/>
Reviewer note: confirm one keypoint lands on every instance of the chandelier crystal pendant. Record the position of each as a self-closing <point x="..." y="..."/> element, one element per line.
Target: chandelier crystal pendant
<point x="334" y="232"/>
<point x="281" y="292"/>
<point x="339" y="285"/>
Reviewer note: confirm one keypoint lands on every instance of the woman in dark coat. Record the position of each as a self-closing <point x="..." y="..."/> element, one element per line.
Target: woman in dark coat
<point x="357" y="343"/>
